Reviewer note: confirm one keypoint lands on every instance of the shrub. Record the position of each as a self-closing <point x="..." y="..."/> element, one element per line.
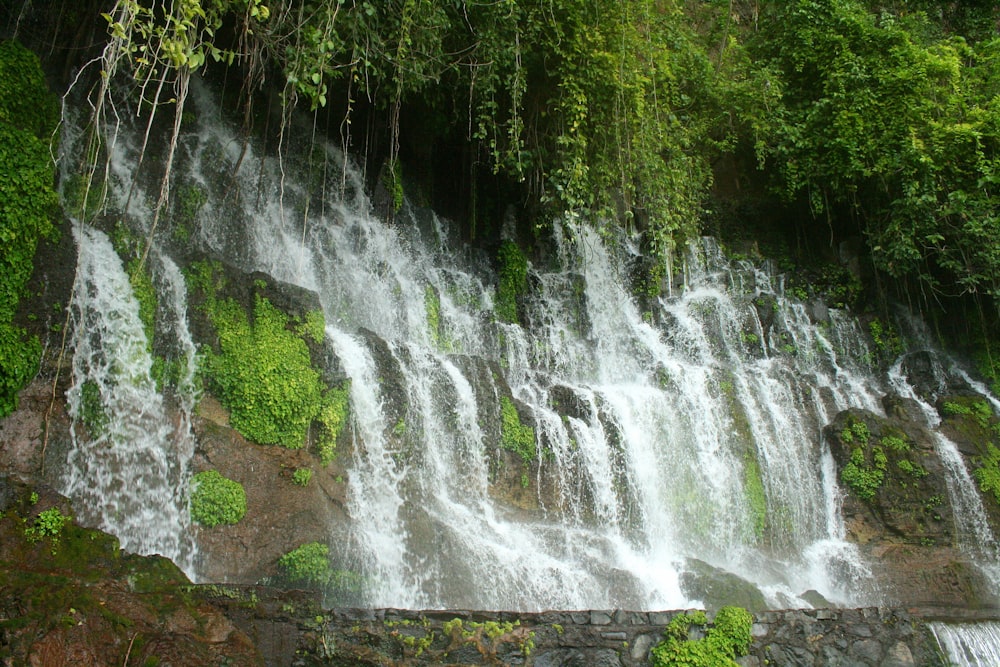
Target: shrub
<point x="309" y="565"/>
<point x="264" y="375"/>
<point x="216" y="499"/>
<point x="727" y="639"/>
<point x="28" y="114"/>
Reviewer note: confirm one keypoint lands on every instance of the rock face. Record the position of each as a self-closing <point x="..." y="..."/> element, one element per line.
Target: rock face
<point x="281" y="515"/>
<point x="70" y="596"/>
<point x="897" y="505"/>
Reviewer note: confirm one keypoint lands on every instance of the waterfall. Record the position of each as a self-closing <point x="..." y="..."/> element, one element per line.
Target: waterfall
<point x="969" y="644"/>
<point x="666" y="431"/>
<point x="127" y="468"/>
<point x="693" y="430"/>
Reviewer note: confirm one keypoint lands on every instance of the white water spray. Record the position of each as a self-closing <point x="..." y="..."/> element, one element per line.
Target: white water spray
<point x="127" y="469"/>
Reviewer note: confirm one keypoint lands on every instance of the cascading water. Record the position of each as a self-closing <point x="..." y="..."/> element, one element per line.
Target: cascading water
<point x="127" y="468"/>
<point x="975" y="537"/>
<point x="688" y="432"/>
<point x="652" y="465"/>
<point x="969" y="644"/>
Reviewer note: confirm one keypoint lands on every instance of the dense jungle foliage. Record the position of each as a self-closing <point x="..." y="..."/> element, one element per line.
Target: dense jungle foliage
<point x="809" y="121"/>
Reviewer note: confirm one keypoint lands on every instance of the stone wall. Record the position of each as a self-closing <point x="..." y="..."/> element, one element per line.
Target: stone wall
<point x="291" y="632"/>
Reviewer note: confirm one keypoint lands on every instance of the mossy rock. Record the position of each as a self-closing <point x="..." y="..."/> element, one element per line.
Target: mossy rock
<point x="717" y="588"/>
<point x="895" y="484"/>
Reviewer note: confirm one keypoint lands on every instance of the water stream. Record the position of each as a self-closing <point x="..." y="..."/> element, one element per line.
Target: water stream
<point x="969" y="644"/>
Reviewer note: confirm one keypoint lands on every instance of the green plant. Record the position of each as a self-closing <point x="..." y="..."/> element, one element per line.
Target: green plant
<point x="979" y="410"/>
<point x="48" y="524"/>
<point x="308" y="564"/>
<point x="216" y="499"/>
<point x="145" y="293"/>
<point x="860" y="430"/>
<point x="332" y="417"/>
<point x="314" y="327"/>
<point x="92" y="412"/>
<point x="912" y="469"/>
<point x="512" y="282"/>
<point x="895" y="444"/>
<point x="28" y="202"/>
<point x="987" y="472"/>
<point x="515" y="436"/>
<point x="432" y="308"/>
<point x="862" y="478"/>
<point x="302" y="476"/>
<point x="725" y="640"/>
<point x="263" y="374"/>
<point x="753" y="485"/>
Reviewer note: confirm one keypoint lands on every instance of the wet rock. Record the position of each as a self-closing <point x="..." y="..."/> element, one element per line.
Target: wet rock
<point x="281" y="515"/>
<point x="717" y="588"/>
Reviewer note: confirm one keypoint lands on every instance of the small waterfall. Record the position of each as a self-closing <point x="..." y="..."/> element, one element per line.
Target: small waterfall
<point x="969" y="644"/>
<point x="127" y="469"/>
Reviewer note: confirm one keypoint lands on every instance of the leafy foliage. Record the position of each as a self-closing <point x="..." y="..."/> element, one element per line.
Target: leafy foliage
<point x="987" y="473"/>
<point x="28" y="114"/>
<point x="216" y="499"/>
<point x="513" y="281"/>
<point x="728" y="638"/>
<point x="262" y="371"/>
<point x="899" y="124"/>
<point x="515" y="436"/>
<point x="332" y="418"/>
<point x="302" y="476"/>
<point x="308" y="564"/>
<point x="264" y="375"/>
<point x="48" y="524"/>
<point x="865" y="478"/>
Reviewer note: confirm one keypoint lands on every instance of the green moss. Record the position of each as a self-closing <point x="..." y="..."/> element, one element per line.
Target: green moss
<point x="28" y="202"/>
<point x="432" y="307"/>
<point x="92" y="412"/>
<point x="263" y="374"/>
<point x="332" y="418"/>
<point x="392" y="179"/>
<point x="515" y="436"/>
<point x="145" y="294"/>
<point x="513" y="281"/>
<point x="727" y="639"/>
<point x="216" y="499"/>
<point x="753" y="485"/>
